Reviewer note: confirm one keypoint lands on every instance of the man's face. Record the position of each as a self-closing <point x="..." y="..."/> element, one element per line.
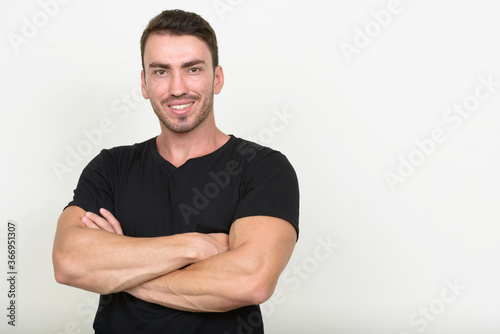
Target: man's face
<point x="179" y="80"/>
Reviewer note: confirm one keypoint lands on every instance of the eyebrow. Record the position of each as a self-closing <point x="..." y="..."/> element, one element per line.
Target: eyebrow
<point x="185" y="65"/>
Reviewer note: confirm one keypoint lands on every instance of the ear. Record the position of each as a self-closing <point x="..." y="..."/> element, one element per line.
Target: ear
<point x="144" y="86"/>
<point x="218" y="79"/>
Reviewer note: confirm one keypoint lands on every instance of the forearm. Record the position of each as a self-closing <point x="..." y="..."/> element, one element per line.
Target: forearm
<point x="105" y="262"/>
<point x="259" y="249"/>
<point x="217" y="284"/>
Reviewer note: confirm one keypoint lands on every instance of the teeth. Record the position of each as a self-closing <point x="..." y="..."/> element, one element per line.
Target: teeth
<point x="182" y="106"/>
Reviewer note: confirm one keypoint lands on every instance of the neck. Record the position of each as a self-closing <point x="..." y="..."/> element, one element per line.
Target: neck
<point x="177" y="148"/>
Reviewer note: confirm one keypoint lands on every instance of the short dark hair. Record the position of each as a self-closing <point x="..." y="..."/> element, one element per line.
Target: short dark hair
<point x="178" y="22"/>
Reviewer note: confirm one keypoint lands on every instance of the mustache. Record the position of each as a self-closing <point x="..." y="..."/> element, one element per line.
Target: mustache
<point x="172" y="98"/>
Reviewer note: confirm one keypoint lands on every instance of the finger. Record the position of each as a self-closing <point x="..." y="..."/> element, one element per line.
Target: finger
<point x="89" y="223"/>
<point x="112" y="221"/>
<point x="102" y="223"/>
<point x="220" y="241"/>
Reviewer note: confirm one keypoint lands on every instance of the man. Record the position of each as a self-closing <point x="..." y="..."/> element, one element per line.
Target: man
<point x="189" y="231"/>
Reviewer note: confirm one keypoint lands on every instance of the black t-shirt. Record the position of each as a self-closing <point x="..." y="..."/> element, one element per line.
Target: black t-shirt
<point x="151" y="197"/>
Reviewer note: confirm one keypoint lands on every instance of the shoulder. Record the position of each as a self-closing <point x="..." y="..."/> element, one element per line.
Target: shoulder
<point x="128" y="149"/>
<point x="269" y="185"/>
<point x="251" y="153"/>
<point x="126" y="152"/>
<point x="115" y="158"/>
<point x="261" y="163"/>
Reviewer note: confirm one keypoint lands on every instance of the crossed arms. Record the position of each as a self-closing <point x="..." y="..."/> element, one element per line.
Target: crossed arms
<point x="190" y="271"/>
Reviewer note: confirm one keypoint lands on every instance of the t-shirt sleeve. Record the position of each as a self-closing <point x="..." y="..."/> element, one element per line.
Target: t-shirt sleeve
<point x="270" y="188"/>
<point x="95" y="188"/>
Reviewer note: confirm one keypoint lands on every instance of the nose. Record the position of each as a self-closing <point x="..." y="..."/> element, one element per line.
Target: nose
<point x="178" y="85"/>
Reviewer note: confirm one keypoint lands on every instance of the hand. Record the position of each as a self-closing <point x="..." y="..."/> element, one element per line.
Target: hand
<point x="108" y="223"/>
<point x="216" y="242"/>
<point x="207" y="245"/>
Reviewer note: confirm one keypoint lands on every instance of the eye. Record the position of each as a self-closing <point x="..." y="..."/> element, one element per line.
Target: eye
<point x="160" y="72"/>
<point x="194" y="70"/>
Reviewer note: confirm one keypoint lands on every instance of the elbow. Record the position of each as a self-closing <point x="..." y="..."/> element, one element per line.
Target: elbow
<point x="258" y="283"/>
<point x="62" y="277"/>
<point x="69" y="272"/>
<point x="259" y="290"/>
<point x="61" y="271"/>
<point x="59" y="276"/>
<point x="261" y="280"/>
<point x="252" y="294"/>
<point x="66" y="271"/>
<point x="262" y="293"/>
<point x="244" y="291"/>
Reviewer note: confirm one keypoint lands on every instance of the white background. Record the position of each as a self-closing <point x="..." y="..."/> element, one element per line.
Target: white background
<point x="352" y="119"/>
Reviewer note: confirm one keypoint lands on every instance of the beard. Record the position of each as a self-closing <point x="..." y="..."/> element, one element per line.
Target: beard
<point x="183" y="124"/>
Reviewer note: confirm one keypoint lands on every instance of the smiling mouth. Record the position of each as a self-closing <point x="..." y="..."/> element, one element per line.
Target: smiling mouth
<point x="181" y="106"/>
